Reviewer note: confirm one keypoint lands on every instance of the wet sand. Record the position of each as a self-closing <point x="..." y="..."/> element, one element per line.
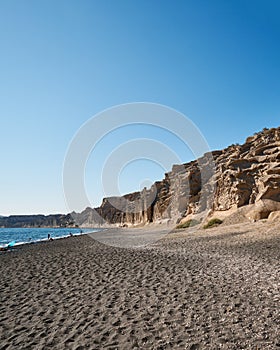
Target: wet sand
<point x="210" y="289"/>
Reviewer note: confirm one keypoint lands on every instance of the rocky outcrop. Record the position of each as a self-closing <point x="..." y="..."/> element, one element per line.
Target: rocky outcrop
<point x="239" y="176"/>
<point x="261" y="209"/>
<point x="250" y="172"/>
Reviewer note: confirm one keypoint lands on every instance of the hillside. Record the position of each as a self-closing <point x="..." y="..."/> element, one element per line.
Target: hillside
<point x="57" y="220"/>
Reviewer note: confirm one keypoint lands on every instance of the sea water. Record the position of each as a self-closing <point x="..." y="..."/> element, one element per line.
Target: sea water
<point x="31" y="235"/>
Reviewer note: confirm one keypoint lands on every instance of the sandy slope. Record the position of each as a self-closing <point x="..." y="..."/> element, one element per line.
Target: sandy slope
<point x="214" y="289"/>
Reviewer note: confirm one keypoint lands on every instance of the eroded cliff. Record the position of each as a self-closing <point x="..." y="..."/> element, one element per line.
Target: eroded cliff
<point x="239" y="176"/>
<point x="231" y="178"/>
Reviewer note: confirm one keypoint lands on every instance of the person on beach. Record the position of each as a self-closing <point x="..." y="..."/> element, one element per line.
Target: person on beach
<point x="49" y="237"/>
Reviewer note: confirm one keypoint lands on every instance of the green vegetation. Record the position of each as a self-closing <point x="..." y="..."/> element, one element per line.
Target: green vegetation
<point x="188" y="223"/>
<point x="212" y="223"/>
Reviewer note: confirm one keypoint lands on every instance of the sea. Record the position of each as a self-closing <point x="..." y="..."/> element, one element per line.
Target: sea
<point x="32" y="235"/>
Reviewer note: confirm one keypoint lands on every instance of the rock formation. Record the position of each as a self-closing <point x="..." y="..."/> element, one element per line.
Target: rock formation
<point x="241" y="176"/>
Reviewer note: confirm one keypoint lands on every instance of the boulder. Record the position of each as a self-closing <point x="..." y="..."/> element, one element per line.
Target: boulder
<point x="274" y="216"/>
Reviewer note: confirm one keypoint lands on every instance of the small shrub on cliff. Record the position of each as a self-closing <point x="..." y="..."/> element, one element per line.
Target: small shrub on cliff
<point x="212" y="223"/>
<point x="188" y="223"/>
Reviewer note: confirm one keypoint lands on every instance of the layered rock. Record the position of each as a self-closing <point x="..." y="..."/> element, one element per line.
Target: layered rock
<point x="250" y="172"/>
<point x="240" y="175"/>
<point x="220" y="181"/>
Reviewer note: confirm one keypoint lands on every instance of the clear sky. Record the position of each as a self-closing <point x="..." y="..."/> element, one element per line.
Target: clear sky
<point x="61" y="62"/>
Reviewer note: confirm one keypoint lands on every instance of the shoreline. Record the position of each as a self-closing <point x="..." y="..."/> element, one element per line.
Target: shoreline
<point x="43" y="240"/>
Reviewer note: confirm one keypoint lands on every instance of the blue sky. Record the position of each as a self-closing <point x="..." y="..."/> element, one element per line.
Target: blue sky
<point x="62" y="62"/>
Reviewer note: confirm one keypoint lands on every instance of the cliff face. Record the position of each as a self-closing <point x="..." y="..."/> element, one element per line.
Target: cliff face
<point x="250" y="172"/>
<point x="235" y="177"/>
<point x="242" y="174"/>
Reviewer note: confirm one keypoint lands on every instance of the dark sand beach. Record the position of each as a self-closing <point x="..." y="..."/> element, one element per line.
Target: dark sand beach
<point x="210" y="289"/>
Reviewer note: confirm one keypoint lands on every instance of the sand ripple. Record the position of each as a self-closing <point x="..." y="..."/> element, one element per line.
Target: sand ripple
<point x="214" y="290"/>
